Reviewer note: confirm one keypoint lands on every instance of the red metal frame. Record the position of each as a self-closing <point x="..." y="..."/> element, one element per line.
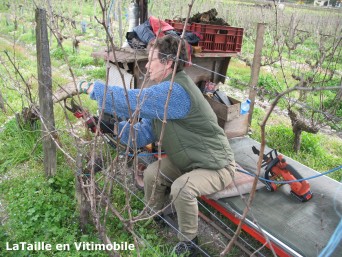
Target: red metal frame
<point x="250" y="230"/>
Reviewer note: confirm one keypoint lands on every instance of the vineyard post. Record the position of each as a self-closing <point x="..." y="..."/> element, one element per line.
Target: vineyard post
<point x="2" y="103"/>
<point x="45" y="93"/>
<point x="253" y="82"/>
<point x="83" y="205"/>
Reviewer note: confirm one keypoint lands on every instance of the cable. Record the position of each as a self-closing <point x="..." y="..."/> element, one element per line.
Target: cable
<point x="290" y="181"/>
<point x="333" y="241"/>
<point x="144" y="154"/>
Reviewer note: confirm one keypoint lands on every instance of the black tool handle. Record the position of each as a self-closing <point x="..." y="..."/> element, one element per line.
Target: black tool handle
<point x="257" y="152"/>
<point x="293" y="171"/>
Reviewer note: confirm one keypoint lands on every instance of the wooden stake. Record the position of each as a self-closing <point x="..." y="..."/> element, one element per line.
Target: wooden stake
<point x="45" y="93"/>
<point x="256" y="67"/>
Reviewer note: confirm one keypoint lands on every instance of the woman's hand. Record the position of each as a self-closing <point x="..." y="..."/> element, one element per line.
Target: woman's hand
<point x="85" y="87"/>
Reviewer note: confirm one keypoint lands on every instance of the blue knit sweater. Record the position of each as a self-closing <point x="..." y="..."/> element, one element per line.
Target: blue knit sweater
<point x="151" y="106"/>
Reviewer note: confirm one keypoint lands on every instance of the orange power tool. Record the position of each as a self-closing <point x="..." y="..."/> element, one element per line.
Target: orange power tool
<point x="278" y="170"/>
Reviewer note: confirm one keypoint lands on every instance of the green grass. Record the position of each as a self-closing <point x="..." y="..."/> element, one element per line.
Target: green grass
<point x="37" y="209"/>
<point x="18" y="145"/>
<point x="318" y="151"/>
<point x="238" y="71"/>
<point x="41" y="210"/>
<point x="97" y="72"/>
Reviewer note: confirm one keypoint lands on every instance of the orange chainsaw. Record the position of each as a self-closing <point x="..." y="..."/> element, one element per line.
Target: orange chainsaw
<point x="278" y="170"/>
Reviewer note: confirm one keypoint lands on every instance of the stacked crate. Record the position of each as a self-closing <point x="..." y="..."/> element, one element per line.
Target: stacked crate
<point x="215" y="38"/>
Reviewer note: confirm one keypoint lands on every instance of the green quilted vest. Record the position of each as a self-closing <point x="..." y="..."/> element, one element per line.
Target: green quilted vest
<point x="195" y="141"/>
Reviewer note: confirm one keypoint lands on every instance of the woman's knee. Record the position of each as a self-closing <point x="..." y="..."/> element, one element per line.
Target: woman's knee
<point x="150" y="175"/>
<point x="181" y="189"/>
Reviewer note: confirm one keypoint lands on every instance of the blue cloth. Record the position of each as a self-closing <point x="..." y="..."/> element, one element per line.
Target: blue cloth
<point x="151" y="105"/>
<point x="145" y="32"/>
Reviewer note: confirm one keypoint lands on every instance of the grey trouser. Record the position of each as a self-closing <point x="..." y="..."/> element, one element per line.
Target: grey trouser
<point x="184" y="191"/>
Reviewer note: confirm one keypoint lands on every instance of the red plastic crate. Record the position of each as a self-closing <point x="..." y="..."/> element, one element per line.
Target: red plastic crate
<point x="197" y="27"/>
<point x="209" y="37"/>
<point x="208" y="46"/>
<point x="207" y="28"/>
<point x="179" y="27"/>
<point x="215" y="38"/>
<point x="220" y="38"/>
<point x="219" y="47"/>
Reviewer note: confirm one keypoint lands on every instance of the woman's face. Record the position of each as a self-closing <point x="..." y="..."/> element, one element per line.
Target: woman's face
<point x="155" y="69"/>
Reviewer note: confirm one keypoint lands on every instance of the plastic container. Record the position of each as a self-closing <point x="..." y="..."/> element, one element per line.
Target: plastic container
<point x="214" y="38"/>
<point x="244" y="108"/>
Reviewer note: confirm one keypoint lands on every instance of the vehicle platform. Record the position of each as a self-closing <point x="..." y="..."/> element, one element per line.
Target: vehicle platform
<point x="294" y="228"/>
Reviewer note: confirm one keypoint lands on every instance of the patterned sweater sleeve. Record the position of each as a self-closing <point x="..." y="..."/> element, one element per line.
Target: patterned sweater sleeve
<point x="142" y="130"/>
<point x="150" y="103"/>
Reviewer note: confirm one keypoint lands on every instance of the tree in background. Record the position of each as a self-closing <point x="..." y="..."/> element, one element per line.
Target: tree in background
<point x="302" y="51"/>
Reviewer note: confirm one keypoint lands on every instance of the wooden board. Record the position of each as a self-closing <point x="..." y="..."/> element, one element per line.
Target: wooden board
<point x="224" y="112"/>
<point x="201" y="67"/>
<point x="237" y="127"/>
